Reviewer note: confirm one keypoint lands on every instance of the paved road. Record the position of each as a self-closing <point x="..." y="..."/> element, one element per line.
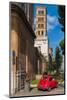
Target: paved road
<point x="35" y="91"/>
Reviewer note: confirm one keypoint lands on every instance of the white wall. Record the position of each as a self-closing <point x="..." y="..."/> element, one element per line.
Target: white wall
<point x="44" y="46"/>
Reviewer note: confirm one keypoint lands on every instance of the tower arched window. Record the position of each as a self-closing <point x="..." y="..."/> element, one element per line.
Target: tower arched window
<point x="38" y="32"/>
<point x="42" y="33"/>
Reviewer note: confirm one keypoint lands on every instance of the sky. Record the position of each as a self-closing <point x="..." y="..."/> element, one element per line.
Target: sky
<point x="55" y="35"/>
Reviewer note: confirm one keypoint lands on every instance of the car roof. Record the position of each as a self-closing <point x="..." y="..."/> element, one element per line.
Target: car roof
<point x="49" y="76"/>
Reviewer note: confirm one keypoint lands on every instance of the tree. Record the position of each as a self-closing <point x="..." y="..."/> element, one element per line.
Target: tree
<point x="50" y="62"/>
<point x="61" y="12"/>
<point x="58" y="59"/>
<point x="61" y="44"/>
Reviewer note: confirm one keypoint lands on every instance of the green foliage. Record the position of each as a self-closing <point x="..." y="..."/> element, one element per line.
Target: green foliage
<point x="61" y="44"/>
<point x="61" y="12"/>
<point x="34" y="81"/>
<point x="58" y="59"/>
<point x="50" y="62"/>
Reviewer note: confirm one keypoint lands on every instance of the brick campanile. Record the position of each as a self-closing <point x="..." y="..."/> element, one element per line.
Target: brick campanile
<point x="41" y="41"/>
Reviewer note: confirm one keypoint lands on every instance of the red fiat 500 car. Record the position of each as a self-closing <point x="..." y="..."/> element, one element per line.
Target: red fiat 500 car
<point x="47" y="82"/>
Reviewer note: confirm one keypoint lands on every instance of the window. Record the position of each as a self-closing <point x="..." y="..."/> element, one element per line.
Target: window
<point x="42" y="33"/>
<point x="14" y="55"/>
<point x="40" y="25"/>
<point x="40" y="19"/>
<point x="38" y="32"/>
<point x="40" y="12"/>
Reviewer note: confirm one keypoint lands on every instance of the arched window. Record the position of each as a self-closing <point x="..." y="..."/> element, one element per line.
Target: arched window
<point x="38" y="32"/>
<point x="42" y="33"/>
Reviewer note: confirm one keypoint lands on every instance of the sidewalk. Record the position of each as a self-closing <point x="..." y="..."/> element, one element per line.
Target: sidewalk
<point x="35" y="91"/>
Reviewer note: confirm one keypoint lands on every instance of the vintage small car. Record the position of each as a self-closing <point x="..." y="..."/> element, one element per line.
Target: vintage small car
<point x="47" y="83"/>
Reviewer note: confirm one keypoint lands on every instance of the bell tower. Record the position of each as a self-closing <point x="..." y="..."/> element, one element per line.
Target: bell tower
<point x="41" y="41"/>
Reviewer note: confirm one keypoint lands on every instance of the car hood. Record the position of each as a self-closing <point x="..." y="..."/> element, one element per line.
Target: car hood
<point x="43" y="82"/>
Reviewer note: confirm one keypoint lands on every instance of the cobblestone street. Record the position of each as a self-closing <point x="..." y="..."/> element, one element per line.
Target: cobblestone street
<point x="35" y="91"/>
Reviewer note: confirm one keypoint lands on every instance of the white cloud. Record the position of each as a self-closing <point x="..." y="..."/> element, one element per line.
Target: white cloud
<point x="52" y="22"/>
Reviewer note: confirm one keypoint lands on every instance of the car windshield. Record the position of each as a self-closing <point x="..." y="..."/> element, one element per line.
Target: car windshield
<point x="50" y="79"/>
<point x="45" y="77"/>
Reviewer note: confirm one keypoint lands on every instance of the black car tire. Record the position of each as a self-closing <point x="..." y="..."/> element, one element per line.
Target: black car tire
<point x="49" y="89"/>
<point x="57" y="86"/>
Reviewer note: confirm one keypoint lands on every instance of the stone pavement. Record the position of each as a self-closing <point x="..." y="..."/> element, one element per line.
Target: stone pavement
<point x="35" y="91"/>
